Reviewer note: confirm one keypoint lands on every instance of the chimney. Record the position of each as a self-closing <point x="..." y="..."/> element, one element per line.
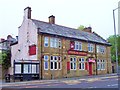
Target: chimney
<point x="88" y="29"/>
<point x="2" y="39"/>
<point x="9" y="37"/>
<point x="27" y="13"/>
<point x="52" y="19"/>
<point x="17" y="38"/>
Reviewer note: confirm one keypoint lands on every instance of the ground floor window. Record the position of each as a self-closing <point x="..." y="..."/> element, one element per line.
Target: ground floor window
<point x="81" y="64"/>
<point x="55" y="63"/>
<point x="18" y="68"/>
<point x="46" y="62"/>
<point x="73" y="63"/>
<point x="26" y="68"/>
<point x="101" y="65"/>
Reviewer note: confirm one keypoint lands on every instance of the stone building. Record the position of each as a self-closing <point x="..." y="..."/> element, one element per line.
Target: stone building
<point x="47" y="50"/>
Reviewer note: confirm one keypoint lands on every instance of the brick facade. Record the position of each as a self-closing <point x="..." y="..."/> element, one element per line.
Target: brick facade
<point x="63" y="52"/>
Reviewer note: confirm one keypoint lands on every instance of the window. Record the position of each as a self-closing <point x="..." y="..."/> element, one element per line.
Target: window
<point x="55" y="43"/>
<point x="101" y="65"/>
<point x="98" y="49"/>
<point x="34" y="69"/>
<point x="45" y="62"/>
<point x="73" y="63"/>
<point x="32" y="50"/>
<point x="98" y="65"/>
<point x="90" y="47"/>
<point x="55" y="63"/>
<point x="78" y="46"/>
<point x="81" y="64"/>
<point x="17" y="68"/>
<point x="27" y="68"/>
<point x="101" y="49"/>
<point x="59" y="63"/>
<point x="46" y="41"/>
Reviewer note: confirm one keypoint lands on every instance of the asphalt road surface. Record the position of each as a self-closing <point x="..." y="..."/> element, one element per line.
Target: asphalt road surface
<point x="107" y="81"/>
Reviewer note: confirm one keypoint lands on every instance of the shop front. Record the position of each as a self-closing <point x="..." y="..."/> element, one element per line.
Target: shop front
<point x="26" y="70"/>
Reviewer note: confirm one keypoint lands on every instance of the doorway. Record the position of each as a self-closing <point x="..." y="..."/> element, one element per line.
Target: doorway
<point x="90" y="68"/>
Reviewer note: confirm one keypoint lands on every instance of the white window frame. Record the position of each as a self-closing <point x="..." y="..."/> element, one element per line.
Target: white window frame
<point x="78" y="46"/>
<point x="74" y="63"/>
<point x="46" y="58"/>
<point x="98" y="64"/>
<point x="55" y="42"/>
<point x="98" y="48"/>
<point x="46" y="41"/>
<point x="59" y="62"/>
<point x="90" y="47"/>
<point x="34" y="68"/>
<point x="54" y="61"/>
<point x="82" y="63"/>
<point x="101" y="64"/>
<point x="18" y="69"/>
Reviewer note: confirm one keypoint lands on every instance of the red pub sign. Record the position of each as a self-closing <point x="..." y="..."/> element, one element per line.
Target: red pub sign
<point x="73" y="52"/>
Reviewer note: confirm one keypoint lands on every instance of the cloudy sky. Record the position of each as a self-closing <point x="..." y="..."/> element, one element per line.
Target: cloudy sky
<point x="71" y="13"/>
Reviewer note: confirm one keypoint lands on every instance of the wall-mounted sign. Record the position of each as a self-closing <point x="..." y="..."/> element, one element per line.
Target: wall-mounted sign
<point x="72" y="45"/>
<point x="91" y="60"/>
<point x="73" y="52"/>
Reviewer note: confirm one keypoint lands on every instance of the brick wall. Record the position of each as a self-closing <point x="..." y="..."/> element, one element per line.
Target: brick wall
<point x="47" y="74"/>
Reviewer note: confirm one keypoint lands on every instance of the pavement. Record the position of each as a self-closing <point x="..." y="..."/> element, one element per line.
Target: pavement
<point x="74" y="80"/>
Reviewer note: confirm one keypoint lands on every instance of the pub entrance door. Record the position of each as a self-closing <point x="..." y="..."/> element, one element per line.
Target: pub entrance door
<point x="90" y="68"/>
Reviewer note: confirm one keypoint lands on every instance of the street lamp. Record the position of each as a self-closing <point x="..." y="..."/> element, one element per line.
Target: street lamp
<point x="116" y="51"/>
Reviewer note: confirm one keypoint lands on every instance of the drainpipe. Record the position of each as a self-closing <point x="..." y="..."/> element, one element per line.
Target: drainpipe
<point x="96" y="58"/>
<point x="41" y="57"/>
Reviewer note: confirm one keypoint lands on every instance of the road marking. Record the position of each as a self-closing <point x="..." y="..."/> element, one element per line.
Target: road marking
<point x="112" y="85"/>
<point x="71" y="82"/>
<point x="93" y="79"/>
<point x="92" y="87"/>
<point x="31" y="86"/>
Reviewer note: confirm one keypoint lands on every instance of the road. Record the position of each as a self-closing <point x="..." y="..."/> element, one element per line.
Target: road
<point x="101" y="81"/>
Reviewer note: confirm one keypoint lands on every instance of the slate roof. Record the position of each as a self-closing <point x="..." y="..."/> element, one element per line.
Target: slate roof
<point x="63" y="31"/>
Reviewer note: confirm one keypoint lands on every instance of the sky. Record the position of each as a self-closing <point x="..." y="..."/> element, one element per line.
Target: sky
<point x="71" y="13"/>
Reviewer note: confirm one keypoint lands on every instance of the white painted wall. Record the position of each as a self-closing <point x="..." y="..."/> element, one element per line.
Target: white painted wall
<point x="14" y="56"/>
<point x="27" y="35"/>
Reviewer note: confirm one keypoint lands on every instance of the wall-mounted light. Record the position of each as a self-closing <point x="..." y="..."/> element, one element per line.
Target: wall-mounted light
<point x="64" y="57"/>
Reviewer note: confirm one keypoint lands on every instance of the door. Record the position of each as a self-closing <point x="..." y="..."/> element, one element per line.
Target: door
<point x="90" y="68"/>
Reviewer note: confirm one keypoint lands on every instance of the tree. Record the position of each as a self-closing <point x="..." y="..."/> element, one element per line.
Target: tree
<point x="81" y="27"/>
<point x="111" y="39"/>
<point x="6" y="59"/>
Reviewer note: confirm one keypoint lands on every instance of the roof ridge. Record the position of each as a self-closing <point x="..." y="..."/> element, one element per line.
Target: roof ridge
<point x="65" y="31"/>
<point x="60" y="25"/>
<point x="99" y="36"/>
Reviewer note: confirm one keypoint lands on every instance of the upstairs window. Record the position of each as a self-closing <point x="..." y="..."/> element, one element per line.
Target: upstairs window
<point x="78" y="46"/>
<point x="32" y="50"/>
<point x="100" y="49"/>
<point x="55" y="43"/>
<point x="90" y="47"/>
<point x="46" y="41"/>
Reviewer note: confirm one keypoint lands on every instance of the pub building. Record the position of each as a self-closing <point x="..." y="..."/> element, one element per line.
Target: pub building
<point x="54" y="51"/>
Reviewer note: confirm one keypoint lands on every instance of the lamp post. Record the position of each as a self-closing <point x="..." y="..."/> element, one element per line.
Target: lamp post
<point x="116" y="51"/>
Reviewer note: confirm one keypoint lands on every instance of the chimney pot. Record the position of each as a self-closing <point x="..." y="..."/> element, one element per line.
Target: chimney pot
<point x="27" y="13"/>
<point x="52" y="19"/>
<point x="88" y="29"/>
